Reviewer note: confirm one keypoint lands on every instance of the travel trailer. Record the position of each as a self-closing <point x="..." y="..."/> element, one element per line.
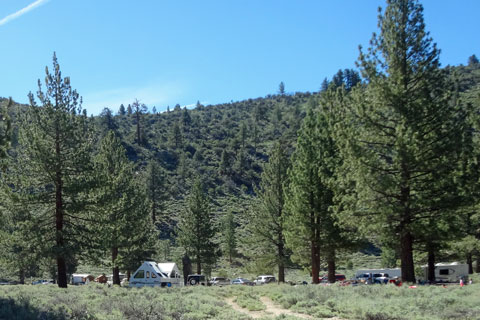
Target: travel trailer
<point x="81" y="278"/>
<point x="447" y="272"/>
<point x="154" y="274"/>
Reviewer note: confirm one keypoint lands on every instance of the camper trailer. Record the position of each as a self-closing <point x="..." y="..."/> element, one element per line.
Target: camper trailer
<point x="447" y="272"/>
<point x="81" y="278"/>
<point x="154" y="274"/>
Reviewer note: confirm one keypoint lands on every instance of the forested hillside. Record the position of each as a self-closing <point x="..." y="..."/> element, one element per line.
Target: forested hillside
<point x="291" y="179"/>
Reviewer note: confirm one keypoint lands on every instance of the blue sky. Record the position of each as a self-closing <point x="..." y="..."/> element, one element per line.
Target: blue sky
<point x="169" y="52"/>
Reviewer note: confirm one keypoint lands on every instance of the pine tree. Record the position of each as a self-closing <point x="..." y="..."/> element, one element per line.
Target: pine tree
<point x="473" y="60"/>
<point x="121" y="110"/>
<point x="156" y="186"/>
<point x="5" y="132"/>
<point x="195" y="228"/>
<point x="54" y="157"/>
<point x="120" y="207"/>
<point x="176" y="137"/>
<point x="281" y="88"/>
<point x="19" y="254"/>
<point x="267" y="218"/>
<point x="403" y="132"/>
<point x="107" y="121"/>
<point x="310" y="216"/>
<point x="186" y="119"/>
<point x="229" y="235"/>
<point x="139" y="109"/>
<point x="225" y="163"/>
<point x="324" y="85"/>
<point x="338" y="79"/>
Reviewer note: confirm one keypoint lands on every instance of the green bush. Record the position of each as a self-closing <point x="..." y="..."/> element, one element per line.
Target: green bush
<point x="368" y="302"/>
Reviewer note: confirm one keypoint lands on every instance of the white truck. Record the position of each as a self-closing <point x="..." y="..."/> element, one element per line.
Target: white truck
<point x="378" y="275"/>
<point x="447" y="272"/>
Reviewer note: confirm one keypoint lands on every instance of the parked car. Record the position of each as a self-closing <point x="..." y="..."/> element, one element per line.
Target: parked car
<point x="381" y="278"/>
<point x="265" y="279"/>
<point x="242" y="281"/>
<point x="196" y="279"/>
<point x="43" y="281"/>
<point x="338" y="277"/>
<point x="366" y="278"/>
<point x="219" y="281"/>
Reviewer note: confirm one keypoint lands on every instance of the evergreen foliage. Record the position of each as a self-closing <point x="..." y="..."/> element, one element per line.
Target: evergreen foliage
<point x="122" y="217"/>
<point x="196" y="230"/>
<point x="53" y="167"/>
<point x="5" y="131"/>
<point x="404" y="133"/>
<point x="267" y="218"/>
<point x="229" y="236"/>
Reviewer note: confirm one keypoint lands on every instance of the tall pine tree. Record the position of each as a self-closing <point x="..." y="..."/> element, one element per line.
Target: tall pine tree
<point x="54" y="155"/>
<point x="196" y="230"/>
<point x="267" y="218"/>
<point x="403" y="132"/>
<point x="122" y="215"/>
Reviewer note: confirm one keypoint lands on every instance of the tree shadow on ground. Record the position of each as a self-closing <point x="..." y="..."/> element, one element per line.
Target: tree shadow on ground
<point x="21" y="309"/>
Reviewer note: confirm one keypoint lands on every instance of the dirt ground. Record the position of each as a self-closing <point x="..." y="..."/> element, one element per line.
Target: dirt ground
<point x="271" y="310"/>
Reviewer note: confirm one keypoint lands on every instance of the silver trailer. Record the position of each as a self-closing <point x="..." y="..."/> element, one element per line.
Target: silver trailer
<point x="152" y="274"/>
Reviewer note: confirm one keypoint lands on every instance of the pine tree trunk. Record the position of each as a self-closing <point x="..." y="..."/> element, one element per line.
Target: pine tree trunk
<point x="187" y="268"/>
<point x="154" y="214"/>
<point x="281" y="259"/>
<point x="477" y="268"/>
<point x="116" y="272"/>
<point x="331" y="265"/>
<point x="138" y="128"/>
<point x="315" y="249"/>
<point x="62" y="272"/>
<point x="21" y="276"/>
<point x="406" y="256"/>
<point x="199" y="266"/>
<point x="470" y="263"/>
<point x="406" y="238"/>
<point x="61" y="264"/>
<point x="315" y="259"/>
<point x="128" y="275"/>
<point x="431" y="264"/>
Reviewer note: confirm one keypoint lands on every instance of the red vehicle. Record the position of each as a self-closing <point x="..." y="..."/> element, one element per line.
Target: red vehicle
<point x="338" y="277"/>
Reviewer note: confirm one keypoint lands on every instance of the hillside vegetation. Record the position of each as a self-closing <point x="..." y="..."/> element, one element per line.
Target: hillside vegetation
<point x="382" y="161"/>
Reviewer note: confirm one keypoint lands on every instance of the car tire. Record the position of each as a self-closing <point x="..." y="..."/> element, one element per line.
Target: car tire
<point x="193" y="282"/>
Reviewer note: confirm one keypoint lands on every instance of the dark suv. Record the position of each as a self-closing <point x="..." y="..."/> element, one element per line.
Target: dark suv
<point x="338" y="277"/>
<point x="196" y="279"/>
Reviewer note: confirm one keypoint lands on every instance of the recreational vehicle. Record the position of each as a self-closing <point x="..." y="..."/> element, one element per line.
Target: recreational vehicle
<point x="447" y="272"/>
<point x="154" y="274"/>
<point x="81" y="278"/>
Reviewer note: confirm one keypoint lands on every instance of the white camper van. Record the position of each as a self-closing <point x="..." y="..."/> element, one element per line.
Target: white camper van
<point x="448" y="272"/>
<point x="154" y="274"/>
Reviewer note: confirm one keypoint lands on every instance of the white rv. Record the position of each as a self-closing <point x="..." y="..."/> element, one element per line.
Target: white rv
<point x="81" y="278"/>
<point x="154" y="274"/>
<point x="448" y="272"/>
